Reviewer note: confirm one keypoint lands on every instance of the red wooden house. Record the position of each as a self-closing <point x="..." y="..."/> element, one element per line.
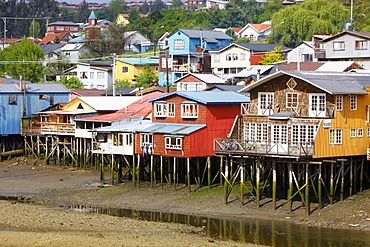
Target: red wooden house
<point x="186" y="123"/>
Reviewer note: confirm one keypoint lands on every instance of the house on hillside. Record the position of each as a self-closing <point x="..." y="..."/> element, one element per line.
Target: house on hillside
<point x="197" y="82"/>
<point x="232" y="59"/>
<point x="348" y="45"/>
<point x="129" y="68"/>
<point x="62" y="27"/>
<point x="73" y="52"/>
<point x="188" y="53"/>
<point x="52" y="52"/>
<point x="136" y="42"/>
<point x="95" y="74"/>
<point x="303" y="52"/>
<point x="255" y="32"/>
<point x="56" y="38"/>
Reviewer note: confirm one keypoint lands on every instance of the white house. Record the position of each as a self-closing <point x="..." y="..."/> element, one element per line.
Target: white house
<point x="304" y="52"/>
<point x="96" y="75"/>
<point x="197" y="82"/>
<point x="255" y="31"/>
<point x="73" y="52"/>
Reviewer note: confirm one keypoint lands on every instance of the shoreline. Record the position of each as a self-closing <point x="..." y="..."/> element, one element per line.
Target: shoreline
<point x="56" y="185"/>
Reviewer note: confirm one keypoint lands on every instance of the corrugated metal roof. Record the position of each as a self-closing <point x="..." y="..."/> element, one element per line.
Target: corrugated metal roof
<point x="336" y="66"/>
<point x="332" y="83"/>
<point x="262" y="47"/>
<point x="72" y="47"/>
<point x="140" y="61"/>
<point x="173" y="129"/>
<point x="207" y="78"/>
<point x="109" y="103"/>
<point x="193" y="33"/>
<point x="34" y="88"/>
<point x="9" y="88"/>
<point x="209" y="97"/>
<point x="127" y="127"/>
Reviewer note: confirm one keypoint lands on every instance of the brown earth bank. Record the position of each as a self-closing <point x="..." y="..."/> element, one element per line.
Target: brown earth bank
<point x="44" y="222"/>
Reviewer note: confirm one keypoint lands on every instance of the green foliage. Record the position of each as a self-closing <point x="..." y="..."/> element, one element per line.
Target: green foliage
<point x="71" y="83"/>
<point x="242" y="40"/>
<point x="272" y="56"/>
<point x="123" y="84"/>
<point x="83" y="12"/>
<point x="146" y="77"/>
<point x="299" y="22"/>
<point x="35" y="29"/>
<point x="24" y="60"/>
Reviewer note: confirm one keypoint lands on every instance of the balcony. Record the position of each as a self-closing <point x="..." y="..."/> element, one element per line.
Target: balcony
<point x="186" y="67"/>
<point x="58" y="128"/>
<point x="251" y="148"/>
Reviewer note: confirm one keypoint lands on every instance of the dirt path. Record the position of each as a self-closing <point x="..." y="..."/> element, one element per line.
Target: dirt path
<point x="44" y="224"/>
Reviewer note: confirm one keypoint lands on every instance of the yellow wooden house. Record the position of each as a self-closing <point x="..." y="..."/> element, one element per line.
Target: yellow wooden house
<point x="129" y="68"/>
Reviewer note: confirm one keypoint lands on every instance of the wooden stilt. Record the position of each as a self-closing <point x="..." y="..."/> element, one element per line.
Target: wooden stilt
<point x="58" y="151"/>
<point x="188" y="173"/>
<point x="198" y="173"/>
<point x="112" y="168"/>
<point x="209" y="171"/>
<point x="331" y="191"/>
<point x="350" y="176"/>
<point x="342" y="181"/>
<point x="290" y="190"/>
<point x="133" y="169"/>
<point x="258" y="170"/>
<point x="151" y="171"/>
<point x="221" y="169"/>
<point x="38" y="146"/>
<point x="169" y="174"/>
<point x="174" y="173"/>
<point x="102" y="169"/>
<point x="319" y="187"/>
<point x="138" y="171"/>
<point x="274" y="184"/>
<point x="362" y="173"/>
<point x="242" y="183"/>
<point x="226" y="182"/>
<point x="161" y="157"/>
<point x="307" y="190"/>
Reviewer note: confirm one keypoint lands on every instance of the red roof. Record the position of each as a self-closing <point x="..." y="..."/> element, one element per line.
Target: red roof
<point x="236" y="29"/>
<point x="261" y="27"/>
<point x="140" y="108"/>
<point x="51" y="37"/>
<point x="306" y="66"/>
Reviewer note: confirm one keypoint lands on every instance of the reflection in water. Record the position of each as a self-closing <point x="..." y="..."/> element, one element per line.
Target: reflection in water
<point x="257" y="231"/>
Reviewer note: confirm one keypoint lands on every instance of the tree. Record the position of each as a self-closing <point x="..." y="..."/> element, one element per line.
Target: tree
<point x="71" y="83"/>
<point x="35" y="29"/>
<point x="299" y="22"/>
<point x="272" y="56"/>
<point x="24" y="60"/>
<point x="146" y="77"/>
<point x="83" y="12"/>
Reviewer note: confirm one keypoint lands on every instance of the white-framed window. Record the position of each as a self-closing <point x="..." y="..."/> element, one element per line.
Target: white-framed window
<point x="335" y="136"/>
<point x="353" y="102"/>
<point x="100" y="75"/>
<point x="291" y="100"/>
<point x="352" y="133"/>
<point x="361" y="44"/>
<point x="128" y="139"/>
<point x="339" y="102"/>
<point x="235" y="57"/>
<point x="229" y="57"/>
<point x="216" y="58"/>
<point x="173" y="142"/>
<point x="124" y="69"/>
<point x="265" y="103"/>
<point x="360" y="132"/>
<point x="91" y="75"/>
<point x="83" y="75"/>
<point x="189" y="110"/>
<point x="243" y="57"/>
<point x="146" y="140"/>
<point x="13" y="99"/>
<point x="317" y="103"/>
<point x="339" y="46"/>
<point x="170" y="109"/>
<point x="179" y="44"/>
<point x="368" y="132"/>
<point x="160" y="109"/>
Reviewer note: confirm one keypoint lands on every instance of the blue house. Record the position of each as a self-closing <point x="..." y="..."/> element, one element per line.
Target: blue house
<point x="19" y="101"/>
<point x="188" y="52"/>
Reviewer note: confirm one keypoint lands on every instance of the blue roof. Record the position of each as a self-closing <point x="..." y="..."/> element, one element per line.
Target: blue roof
<point x="92" y="15"/>
<point x="140" y="60"/>
<point x="37" y="88"/>
<point x="173" y="129"/>
<point x="132" y="126"/>
<point x="209" y="97"/>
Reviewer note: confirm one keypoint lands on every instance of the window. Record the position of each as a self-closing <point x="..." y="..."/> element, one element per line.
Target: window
<point x="368" y="132"/>
<point x="353" y="102"/>
<point x="352" y="133"/>
<point x="146" y="140"/>
<point x="291" y="100"/>
<point x="360" y="44"/>
<point x="242" y="57"/>
<point x="338" y="46"/>
<point x="83" y="75"/>
<point x="156" y="68"/>
<point x="303" y="134"/>
<point x="335" y="136"/>
<point x="265" y="103"/>
<point x="60" y="28"/>
<point x="171" y="110"/>
<point x="256" y="132"/>
<point x="179" y="44"/>
<point x="124" y="69"/>
<point x="51" y="99"/>
<point x="217" y="58"/>
<point x="228" y="57"/>
<point x="173" y="142"/>
<point x="235" y="57"/>
<point x="189" y="110"/>
<point x="360" y="132"/>
<point x="91" y="75"/>
<point x="100" y="75"/>
<point x="317" y="105"/>
<point x="160" y="109"/>
<point x="307" y="57"/>
<point x="12" y="99"/>
<point x="74" y="29"/>
<point x="339" y="102"/>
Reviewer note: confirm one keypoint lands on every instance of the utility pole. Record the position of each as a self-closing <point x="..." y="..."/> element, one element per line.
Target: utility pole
<point x="114" y="74"/>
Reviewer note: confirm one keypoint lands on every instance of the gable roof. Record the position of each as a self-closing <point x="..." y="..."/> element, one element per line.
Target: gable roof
<point x="339" y="66"/>
<point x="204" y="34"/>
<point x="331" y="83"/>
<point x="260" y="27"/>
<point x="209" y="97"/>
<point x="308" y="66"/>
<point x="140" y="60"/>
<point x="364" y="35"/>
<point x="108" y="103"/>
<point x="73" y="47"/>
<point x="50" y="38"/>
<point x="88" y="92"/>
<point x="206" y="78"/>
<point x="48" y="48"/>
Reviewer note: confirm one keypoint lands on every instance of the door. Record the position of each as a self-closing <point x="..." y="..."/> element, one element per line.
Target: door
<point x="317" y="105"/>
<point x="279" y="139"/>
<point x="265" y="103"/>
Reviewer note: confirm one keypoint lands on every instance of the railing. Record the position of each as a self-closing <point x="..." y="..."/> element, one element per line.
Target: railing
<point x="184" y="67"/>
<point x="299" y="111"/>
<point x="57" y="128"/>
<point x="244" y="147"/>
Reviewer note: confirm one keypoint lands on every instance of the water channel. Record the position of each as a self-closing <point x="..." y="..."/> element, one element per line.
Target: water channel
<point x="257" y="231"/>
